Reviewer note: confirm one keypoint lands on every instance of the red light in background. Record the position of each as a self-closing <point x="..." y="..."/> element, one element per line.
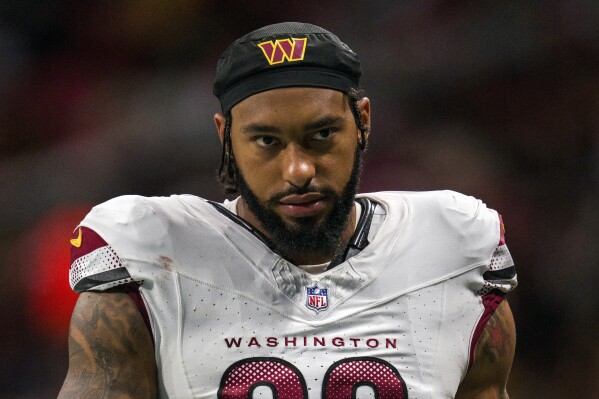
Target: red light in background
<point x="45" y="252"/>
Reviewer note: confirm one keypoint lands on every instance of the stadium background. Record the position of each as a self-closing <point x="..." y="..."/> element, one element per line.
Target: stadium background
<point x="499" y="100"/>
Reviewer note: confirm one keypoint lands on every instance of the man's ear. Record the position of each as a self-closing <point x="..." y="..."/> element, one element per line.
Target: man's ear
<point x="364" y="107"/>
<point x="220" y="121"/>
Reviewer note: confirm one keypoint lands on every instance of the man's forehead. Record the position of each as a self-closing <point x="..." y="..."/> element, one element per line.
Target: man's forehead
<point x="291" y="100"/>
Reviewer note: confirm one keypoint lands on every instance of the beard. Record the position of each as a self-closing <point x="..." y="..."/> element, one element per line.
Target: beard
<point x="308" y="235"/>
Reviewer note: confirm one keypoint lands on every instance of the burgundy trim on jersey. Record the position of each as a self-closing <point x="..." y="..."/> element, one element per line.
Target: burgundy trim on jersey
<point x="132" y="289"/>
<point x="490" y="301"/>
<point x="501" y="232"/>
<point x="90" y="241"/>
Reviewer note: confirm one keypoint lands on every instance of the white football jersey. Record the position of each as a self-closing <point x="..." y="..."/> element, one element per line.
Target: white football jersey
<point x="232" y="319"/>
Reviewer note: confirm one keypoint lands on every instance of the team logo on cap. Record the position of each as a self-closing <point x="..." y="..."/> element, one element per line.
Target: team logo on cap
<point x="283" y="50"/>
<point x="317" y="298"/>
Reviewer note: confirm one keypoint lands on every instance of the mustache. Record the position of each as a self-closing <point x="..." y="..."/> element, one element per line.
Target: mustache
<point x="324" y="190"/>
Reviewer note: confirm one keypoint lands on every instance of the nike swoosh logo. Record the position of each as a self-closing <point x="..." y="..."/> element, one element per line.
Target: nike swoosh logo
<point x="76" y="242"/>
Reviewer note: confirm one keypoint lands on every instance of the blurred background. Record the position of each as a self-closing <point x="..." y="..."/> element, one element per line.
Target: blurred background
<point x="499" y="100"/>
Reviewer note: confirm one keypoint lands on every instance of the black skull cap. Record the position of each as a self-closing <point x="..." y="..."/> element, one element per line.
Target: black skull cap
<point x="287" y="54"/>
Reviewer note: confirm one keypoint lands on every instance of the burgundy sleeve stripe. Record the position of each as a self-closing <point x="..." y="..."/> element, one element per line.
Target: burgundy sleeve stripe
<point x="490" y="301"/>
<point x="132" y="289"/>
<point x="501" y="232"/>
<point x="90" y="282"/>
<point x="90" y="241"/>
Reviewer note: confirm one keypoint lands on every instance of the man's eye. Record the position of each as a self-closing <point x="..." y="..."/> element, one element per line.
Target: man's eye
<point x="324" y="134"/>
<point x="266" y="141"/>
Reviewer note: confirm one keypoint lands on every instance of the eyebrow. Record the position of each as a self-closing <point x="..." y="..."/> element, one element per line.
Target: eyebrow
<point x="260" y="128"/>
<point x="315" y="125"/>
<point x="323" y="122"/>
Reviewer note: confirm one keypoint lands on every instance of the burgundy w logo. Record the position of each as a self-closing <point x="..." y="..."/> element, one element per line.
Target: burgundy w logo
<point x="284" y="50"/>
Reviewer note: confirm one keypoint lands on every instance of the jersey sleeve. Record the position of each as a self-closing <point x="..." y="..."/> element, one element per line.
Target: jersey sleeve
<point x="501" y="273"/>
<point x="95" y="265"/>
<point x="480" y="233"/>
<point x="109" y="238"/>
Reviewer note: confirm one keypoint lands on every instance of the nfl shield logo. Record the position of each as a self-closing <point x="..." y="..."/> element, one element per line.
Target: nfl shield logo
<point x="317" y="298"/>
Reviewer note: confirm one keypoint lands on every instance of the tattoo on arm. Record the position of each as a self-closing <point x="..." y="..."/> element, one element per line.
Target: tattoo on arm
<point x="110" y="350"/>
<point x="496" y="338"/>
<point x="494" y="353"/>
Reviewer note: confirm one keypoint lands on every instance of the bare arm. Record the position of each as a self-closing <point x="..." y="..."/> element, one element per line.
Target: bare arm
<point x="493" y="356"/>
<point x="111" y="354"/>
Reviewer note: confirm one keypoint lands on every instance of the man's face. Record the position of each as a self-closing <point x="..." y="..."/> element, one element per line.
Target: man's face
<point x="296" y="150"/>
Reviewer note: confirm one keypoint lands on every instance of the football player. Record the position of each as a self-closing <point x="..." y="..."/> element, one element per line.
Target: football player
<point x="299" y="288"/>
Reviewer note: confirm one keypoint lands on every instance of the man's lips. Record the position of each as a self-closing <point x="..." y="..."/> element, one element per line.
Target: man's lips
<point x="296" y="199"/>
<point x="304" y="205"/>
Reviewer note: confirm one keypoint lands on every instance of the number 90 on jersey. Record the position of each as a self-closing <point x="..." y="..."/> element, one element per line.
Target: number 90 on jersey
<point x="341" y="380"/>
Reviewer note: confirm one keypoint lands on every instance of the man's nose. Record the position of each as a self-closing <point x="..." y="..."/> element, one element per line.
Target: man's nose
<point x="299" y="167"/>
